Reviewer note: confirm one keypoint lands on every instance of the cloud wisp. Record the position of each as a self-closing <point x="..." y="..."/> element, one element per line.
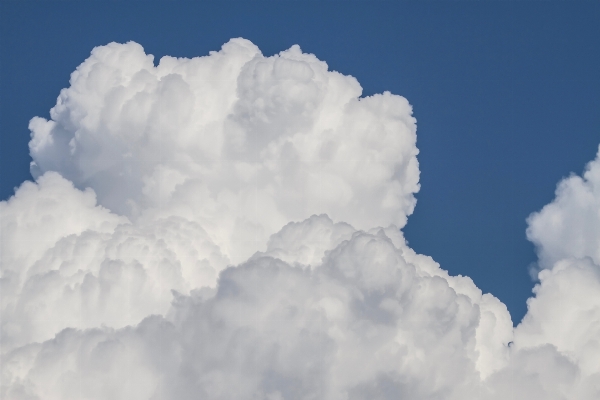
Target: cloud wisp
<point x="229" y="226"/>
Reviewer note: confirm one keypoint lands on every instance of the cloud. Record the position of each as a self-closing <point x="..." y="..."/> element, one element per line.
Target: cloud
<point x="362" y="318"/>
<point x="564" y="315"/>
<point x="228" y="226"/>
<point x="67" y="262"/>
<point x="570" y="225"/>
<point x="240" y="142"/>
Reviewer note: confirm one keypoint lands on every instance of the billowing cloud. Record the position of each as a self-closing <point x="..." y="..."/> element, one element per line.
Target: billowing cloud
<point x="237" y="141"/>
<point x="570" y="225"/>
<point x="228" y="226"/>
<point x="362" y="318"/>
<point x="564" y="316"/>
<point x="67" y="262"/>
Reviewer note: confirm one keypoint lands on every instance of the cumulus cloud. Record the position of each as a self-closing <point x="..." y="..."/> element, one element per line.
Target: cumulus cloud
<point x="570" y="225"/>
<point x="237" y="141"/>
<point x="228" y="226"/>
<point x="71" y="263"/>
<point x="564" y="315"/>
<point x="361" y="322"/>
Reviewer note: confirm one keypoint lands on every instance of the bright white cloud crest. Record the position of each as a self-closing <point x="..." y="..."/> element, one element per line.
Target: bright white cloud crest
<point x="237" y="141"/>
<point x="154" y="257"/>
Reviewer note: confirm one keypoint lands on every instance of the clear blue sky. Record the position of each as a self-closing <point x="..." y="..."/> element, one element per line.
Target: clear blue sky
<point x="506" y="95"/>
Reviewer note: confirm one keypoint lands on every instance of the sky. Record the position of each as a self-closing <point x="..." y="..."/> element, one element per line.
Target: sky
<point x="505" y="96"/>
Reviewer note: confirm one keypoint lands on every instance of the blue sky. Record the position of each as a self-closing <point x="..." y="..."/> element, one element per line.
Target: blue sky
<point x="506" y="96"/>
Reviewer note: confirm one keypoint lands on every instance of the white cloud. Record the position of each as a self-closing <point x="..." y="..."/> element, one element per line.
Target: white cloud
<point x="187" y="279"/>
<point x="362" y="318"/>
<point x="239" y="142"/>
<point x="69" y="263"/>
<point x="570" y="225"/>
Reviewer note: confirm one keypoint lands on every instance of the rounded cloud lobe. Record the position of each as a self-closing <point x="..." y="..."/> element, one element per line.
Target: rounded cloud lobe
<point x="240" y="142"/>
<point x="228" y="226"/>
<point x="570" y="225"/>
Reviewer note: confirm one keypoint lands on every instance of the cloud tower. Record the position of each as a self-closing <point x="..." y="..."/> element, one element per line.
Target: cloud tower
<point x="229" y="227"/>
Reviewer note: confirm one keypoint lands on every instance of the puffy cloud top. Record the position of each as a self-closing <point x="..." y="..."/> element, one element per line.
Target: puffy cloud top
<point x="228" y="226"/>
<point x="570" y="225"/>
<point x="237" y="141"/>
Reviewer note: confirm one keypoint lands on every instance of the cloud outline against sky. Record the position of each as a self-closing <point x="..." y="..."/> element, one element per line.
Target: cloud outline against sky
<point x="229" y="226"/>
